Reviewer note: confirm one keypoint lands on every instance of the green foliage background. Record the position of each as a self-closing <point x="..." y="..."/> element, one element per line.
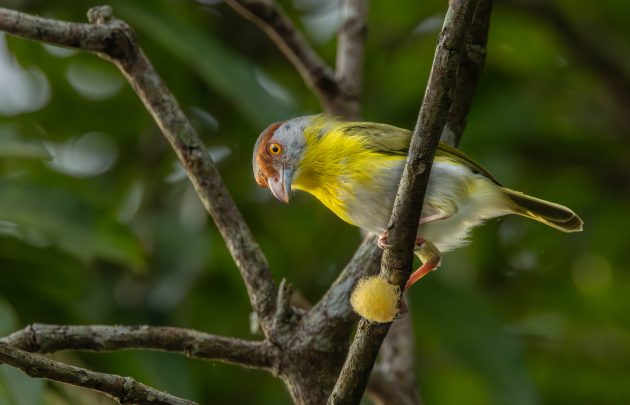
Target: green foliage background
<point x="99" y="225"/>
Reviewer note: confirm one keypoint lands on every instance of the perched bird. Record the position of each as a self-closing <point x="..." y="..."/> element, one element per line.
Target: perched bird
<point x="354" y="169"/>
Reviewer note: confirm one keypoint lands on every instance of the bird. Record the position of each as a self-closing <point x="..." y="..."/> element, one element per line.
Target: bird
<point x="354" y="169"/>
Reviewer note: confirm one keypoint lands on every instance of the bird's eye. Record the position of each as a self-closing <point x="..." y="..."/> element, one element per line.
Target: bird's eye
<point x="275" y="149"/>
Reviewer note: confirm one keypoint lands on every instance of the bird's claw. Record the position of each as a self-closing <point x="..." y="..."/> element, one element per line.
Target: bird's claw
<point x="382" y="240"/>
<point x="419" y="243"/>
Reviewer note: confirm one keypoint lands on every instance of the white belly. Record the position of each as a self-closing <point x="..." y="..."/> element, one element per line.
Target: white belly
<point x="475" y="199"/>
<point x="453" y="190"/>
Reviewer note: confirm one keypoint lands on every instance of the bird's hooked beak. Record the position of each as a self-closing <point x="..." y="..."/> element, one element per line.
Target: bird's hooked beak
<point x="280" y="186"/>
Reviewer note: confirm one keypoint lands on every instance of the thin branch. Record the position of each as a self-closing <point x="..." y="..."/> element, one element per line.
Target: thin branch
<point x="332" y="315"/>
<point x="398" y="259"/>
<point x="350" y="52"/>
<point x="356" y="370"/>
<point x="41" y="338"/>
<point x="317" y="75"/>
<point x="587" y="49"/>
<point x="124" y="390"/>
<point x="115" y="41"/>
<point x="393" y="380"/>
<point x="395" y="366"/>
<point x="472" y="63"/>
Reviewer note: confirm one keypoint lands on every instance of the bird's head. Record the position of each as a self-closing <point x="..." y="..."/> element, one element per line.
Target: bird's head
<point x="277" y="154"/>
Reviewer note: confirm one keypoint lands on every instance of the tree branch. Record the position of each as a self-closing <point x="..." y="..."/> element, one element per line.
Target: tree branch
<point x="317" y="75"/>
<point x="41" y="338"/>
<point x="393" y="380"/>
<point x="398" y="259"/>
<point x="472" y="63"/>
<point x="395" y="366"/>
<point x="350" y="52"/>
<point x="124" y="390"/>
<point x="115" y="41"/>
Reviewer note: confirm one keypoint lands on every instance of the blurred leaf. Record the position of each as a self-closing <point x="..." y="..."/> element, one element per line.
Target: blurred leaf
<point x="16" y="388"/>
<point x="8" y="318"/>
<point x="466" y="324"/>
<point x="23" y="389"/>
<point x="12" y="146"/>
<point x="52" y="216"/>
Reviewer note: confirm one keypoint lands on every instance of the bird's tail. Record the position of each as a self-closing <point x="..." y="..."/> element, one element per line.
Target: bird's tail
<point x="548" y="213"/>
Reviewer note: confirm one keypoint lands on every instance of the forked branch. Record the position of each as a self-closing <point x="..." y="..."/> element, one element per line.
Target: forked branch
<point x="41" y="338"/>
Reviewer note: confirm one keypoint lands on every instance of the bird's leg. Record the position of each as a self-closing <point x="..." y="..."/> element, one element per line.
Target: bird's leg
<point x="430" y="257"/>
<point x="434" y="217"/>
<point x="382" y="238"/>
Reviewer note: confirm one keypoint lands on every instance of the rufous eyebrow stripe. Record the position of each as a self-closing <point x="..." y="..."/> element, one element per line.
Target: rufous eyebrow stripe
<point x="264" y="165"/>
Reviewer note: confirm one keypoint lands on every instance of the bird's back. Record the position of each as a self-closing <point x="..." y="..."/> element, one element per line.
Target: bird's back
<point x="354" y="168"/>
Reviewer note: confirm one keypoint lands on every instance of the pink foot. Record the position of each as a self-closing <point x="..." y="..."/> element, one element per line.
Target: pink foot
<point x="425" y="269"/>
<point x="382" y="240"/>
<point x="430" y="257"/>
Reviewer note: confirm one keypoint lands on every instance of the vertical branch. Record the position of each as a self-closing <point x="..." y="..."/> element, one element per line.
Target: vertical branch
<point x="473" y="59"/>
<point x="350" y="54"/>
<point x="395" y="365"/>
<point x="398" y="259"/>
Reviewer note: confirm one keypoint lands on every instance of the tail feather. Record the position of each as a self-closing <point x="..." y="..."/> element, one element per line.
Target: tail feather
<point x="548" y="213"/>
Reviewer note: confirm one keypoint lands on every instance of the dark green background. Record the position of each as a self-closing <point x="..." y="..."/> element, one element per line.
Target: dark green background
<point x="113" y="232"/>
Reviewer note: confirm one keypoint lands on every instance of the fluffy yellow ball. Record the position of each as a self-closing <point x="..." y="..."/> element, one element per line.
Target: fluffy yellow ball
<point x="375" y="299"/>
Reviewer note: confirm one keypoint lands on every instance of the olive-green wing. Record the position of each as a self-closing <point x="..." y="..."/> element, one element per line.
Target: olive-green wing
<point x="395" y="141"/>
<point x="447" y="152"/>
<point x="382" y="138"/>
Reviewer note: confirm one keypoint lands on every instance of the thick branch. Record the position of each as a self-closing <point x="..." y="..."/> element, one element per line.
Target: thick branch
<point x="124" y="390"/>
<point x="350" y="52"/>
<point x="318" y="76"/>
<point x="40" y="338"/>
<point x="393" y="380"/>
<point x="395" y="367"/>
<point x="398" y="259"/>
<point x="115" y="40"/>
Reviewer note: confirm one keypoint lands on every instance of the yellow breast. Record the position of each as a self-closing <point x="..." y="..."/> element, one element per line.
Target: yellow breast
<point x="336" y="167"/>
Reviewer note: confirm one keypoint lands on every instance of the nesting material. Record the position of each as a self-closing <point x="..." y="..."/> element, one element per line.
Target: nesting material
<point x="375" y="299"/>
